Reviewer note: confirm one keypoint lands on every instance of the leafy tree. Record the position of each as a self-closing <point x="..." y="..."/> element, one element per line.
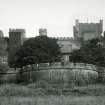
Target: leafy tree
<point x="92" y="51"/>
<point x="40" y="49"/>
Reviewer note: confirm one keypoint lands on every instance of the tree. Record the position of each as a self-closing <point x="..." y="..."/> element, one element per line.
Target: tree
<point x="92" y="51"/>
<point x="40" y="49"/>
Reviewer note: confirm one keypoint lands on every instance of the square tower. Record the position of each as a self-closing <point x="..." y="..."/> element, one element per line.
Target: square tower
<point x="86" y="31"/>
<point x="42" y="32"/>
<point x="16" y="39"/>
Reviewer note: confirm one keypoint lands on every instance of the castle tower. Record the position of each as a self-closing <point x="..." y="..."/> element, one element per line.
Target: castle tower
<point x="42" y="32"/>
<point x="3" y="48"/>
<point x="16" y="39"/>
<point x="87" y="31"/>
<point x="1" y="34"/>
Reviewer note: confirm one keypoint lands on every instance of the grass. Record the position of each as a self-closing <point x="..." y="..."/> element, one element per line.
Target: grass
<point x="12" y="94"/>
<point x="53" y="100"/>
<point x="18" y="90"/>
<point x="42" y="89"/>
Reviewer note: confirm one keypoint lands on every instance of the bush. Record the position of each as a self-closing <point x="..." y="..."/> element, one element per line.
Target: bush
<point x="40" y="84"/>
<point x="3" y="69"/>
<point x="16" y="90"/>
<point x="48" y="87"/>
<point x="9" y="78"/>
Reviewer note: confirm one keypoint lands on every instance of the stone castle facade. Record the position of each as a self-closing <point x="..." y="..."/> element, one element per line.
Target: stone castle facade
<point x="81" y="31"/>
<point x="86" y="31"/>
<point x="3" y="48"/>
<point x="16" y="39"/>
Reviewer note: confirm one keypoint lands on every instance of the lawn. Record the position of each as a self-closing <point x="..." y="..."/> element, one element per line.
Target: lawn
<point x="53" y="100"/>
<point x="12" y="94"/>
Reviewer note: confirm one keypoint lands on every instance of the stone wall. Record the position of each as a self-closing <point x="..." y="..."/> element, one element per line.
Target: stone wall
<point x="56" y="73"/>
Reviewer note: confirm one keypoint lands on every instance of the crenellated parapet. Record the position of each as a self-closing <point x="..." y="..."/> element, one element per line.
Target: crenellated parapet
<point x="17" y="30"/>
<point x="62" y="38"/>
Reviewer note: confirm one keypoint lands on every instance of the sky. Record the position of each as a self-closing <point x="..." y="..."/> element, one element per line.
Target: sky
<point x="57" y="16"/>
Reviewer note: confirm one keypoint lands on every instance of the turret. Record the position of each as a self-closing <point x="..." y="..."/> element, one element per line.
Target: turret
<point x="42" y="32"/>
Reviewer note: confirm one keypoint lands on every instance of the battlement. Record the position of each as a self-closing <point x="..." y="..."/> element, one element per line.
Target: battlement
<point x="100" y="22"/>
<point x="62" y="38"/>
<point x="17" y="30"/>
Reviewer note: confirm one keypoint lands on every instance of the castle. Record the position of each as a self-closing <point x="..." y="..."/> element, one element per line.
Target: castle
<point x="86" y="31"/>
<point x="81" y="31"/>
<point x="16" y="39"/>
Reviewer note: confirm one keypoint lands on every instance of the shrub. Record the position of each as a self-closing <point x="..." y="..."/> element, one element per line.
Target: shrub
<point x="47" y="87"/>
<point x="9" y="78"/>
<point x="3" y="69"/>
<point x="16" y="90"/>
<point x="40" y="84"/>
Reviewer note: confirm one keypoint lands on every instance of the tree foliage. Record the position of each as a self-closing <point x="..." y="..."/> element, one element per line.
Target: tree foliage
<point x="40" y="49"/>
<point x="92" y="52"/>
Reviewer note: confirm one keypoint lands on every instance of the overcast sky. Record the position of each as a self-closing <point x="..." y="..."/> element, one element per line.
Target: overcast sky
<point x="58" y="16"/>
